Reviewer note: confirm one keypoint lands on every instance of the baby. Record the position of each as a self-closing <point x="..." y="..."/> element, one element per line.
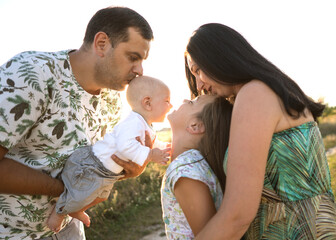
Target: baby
<point x="90" y="172"/>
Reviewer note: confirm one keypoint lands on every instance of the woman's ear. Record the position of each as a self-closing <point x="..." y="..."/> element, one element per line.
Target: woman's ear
<point x="196" y="126"/>
<point x="101" y="44"/>
<point x="146" y="103"/>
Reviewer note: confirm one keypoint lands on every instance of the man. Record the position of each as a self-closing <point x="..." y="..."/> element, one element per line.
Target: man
<point x="53" y="103"/>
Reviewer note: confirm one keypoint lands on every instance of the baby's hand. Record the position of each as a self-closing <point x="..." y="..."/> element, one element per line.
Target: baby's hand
<point x="160" y="156"/>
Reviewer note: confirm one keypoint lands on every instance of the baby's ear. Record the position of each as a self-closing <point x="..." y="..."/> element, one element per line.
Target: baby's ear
<point x="146" y="103"/>
<point x="196" y="126"/>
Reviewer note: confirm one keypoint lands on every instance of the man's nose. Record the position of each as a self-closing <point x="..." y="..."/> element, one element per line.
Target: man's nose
<point x="138" y="69"/>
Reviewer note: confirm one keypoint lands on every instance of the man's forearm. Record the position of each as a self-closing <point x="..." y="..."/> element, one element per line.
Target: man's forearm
<point x="16" y="178"/>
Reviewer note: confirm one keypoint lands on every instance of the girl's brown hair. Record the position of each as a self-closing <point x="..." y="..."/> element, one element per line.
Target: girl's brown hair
<point x="216" y="117"/>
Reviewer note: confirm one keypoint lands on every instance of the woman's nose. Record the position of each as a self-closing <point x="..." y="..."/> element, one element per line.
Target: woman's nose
<point x="199" y="85"/>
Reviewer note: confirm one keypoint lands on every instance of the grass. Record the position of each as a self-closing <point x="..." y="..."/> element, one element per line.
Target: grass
<point x="332" y="167"/>
<point x="327" y="127"/>
<point x="133" y="209"/>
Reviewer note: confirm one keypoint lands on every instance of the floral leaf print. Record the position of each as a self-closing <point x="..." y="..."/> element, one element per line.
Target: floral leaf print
<point x="56" y="160"/>
<point x="5" y="207"/>
<point x="26" y="123"/>
<point x="15" y="231"/>
<point x="94" y="101"/>
<point x="45" y="148"/>
<point x="21" y="107"/>
<point x="9" y="63"/>
<point x="69" y="137"/>
<point x="2" y="129"/>
<point x="88" y="117"/>
<point x="3" y="115"/>
<point x="44" y="137"/>
<point x="5" y="143"/>
<point x="32" y="213"/>
<point x="81" y="143"/>
<point x="66" y="64"/>
<point x="10" y="82"/>
<point x="72" y="136"/>
<point x="10" y="87"/>
<point x="30" y="76"/>
<point x="28" y="158"/>
<point x="49" y="62"/>
<point x="58" y="99"/>
<point x="75" y="102"/>
<point x="58" y="129"/>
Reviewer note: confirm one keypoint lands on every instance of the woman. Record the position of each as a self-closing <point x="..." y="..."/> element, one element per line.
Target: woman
<point x="277" y="175"/>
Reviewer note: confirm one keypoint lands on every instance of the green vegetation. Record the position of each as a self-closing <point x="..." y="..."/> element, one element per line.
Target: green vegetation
<point x="327" y="124"/>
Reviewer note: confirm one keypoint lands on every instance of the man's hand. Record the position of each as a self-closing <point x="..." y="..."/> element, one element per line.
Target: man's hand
<point x="148" y="141"/>
<point x="132" y="169"/>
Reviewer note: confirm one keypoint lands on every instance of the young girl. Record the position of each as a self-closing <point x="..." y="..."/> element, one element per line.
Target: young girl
<point x="192" y="188"/>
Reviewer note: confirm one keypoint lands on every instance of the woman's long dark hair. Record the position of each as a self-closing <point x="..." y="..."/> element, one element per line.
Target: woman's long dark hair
<point x="216" y="117"/>
<point x="225" y="56"/>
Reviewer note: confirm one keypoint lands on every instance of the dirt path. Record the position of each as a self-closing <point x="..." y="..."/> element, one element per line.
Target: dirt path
<point x="158" y="234"/>
<point x="331" y="151"/>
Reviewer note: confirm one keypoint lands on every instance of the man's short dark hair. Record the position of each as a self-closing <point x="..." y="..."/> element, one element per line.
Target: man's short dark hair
<point x="115" y="22"/>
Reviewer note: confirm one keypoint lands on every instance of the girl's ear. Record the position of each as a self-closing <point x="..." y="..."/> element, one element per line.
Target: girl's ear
<point x="196" y="126"/>
<point x="147" y="103"/>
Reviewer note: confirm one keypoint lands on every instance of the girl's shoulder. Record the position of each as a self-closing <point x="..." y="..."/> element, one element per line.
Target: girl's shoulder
<point x="186" y="158"/>
<point x="190" y="164"/>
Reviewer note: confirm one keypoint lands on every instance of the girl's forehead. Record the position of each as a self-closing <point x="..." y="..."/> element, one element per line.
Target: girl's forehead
<point x="205" y="97"/>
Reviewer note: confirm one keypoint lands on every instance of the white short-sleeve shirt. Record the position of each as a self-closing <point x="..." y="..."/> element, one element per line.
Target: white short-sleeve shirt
<point x="189" y="164"/>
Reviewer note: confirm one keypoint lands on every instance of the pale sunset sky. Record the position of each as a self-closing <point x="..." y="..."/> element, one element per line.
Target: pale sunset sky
<point x="298" y="36"/>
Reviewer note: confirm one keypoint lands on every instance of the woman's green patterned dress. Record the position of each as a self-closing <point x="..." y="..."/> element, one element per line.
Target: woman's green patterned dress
<point x="297" y="201"/>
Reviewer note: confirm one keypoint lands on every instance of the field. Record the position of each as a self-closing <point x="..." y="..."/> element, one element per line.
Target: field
<point x="133" y="209"/>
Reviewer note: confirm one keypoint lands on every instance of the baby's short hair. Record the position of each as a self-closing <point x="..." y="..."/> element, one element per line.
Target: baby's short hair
<point x="141" y="87"/>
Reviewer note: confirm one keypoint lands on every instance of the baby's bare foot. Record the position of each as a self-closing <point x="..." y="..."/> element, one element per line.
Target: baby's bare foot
<point x="55" y="221"/>
<point x="81" y="216"/>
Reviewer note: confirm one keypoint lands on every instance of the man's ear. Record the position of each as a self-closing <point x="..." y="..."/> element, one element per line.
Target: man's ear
<point x="101" y="44"/>
<point x="196" y="126"/>
<point x="147" y="103"/>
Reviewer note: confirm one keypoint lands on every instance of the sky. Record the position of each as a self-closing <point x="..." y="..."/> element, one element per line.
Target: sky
<point x="298" y="36"/>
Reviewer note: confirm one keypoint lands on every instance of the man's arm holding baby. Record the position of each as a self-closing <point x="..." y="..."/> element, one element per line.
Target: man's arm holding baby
<point x="16" y="178"/>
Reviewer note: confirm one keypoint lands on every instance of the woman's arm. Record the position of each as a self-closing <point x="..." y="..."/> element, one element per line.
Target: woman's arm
<point x="196" y="202"/>
<point x="256" y="114"/>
